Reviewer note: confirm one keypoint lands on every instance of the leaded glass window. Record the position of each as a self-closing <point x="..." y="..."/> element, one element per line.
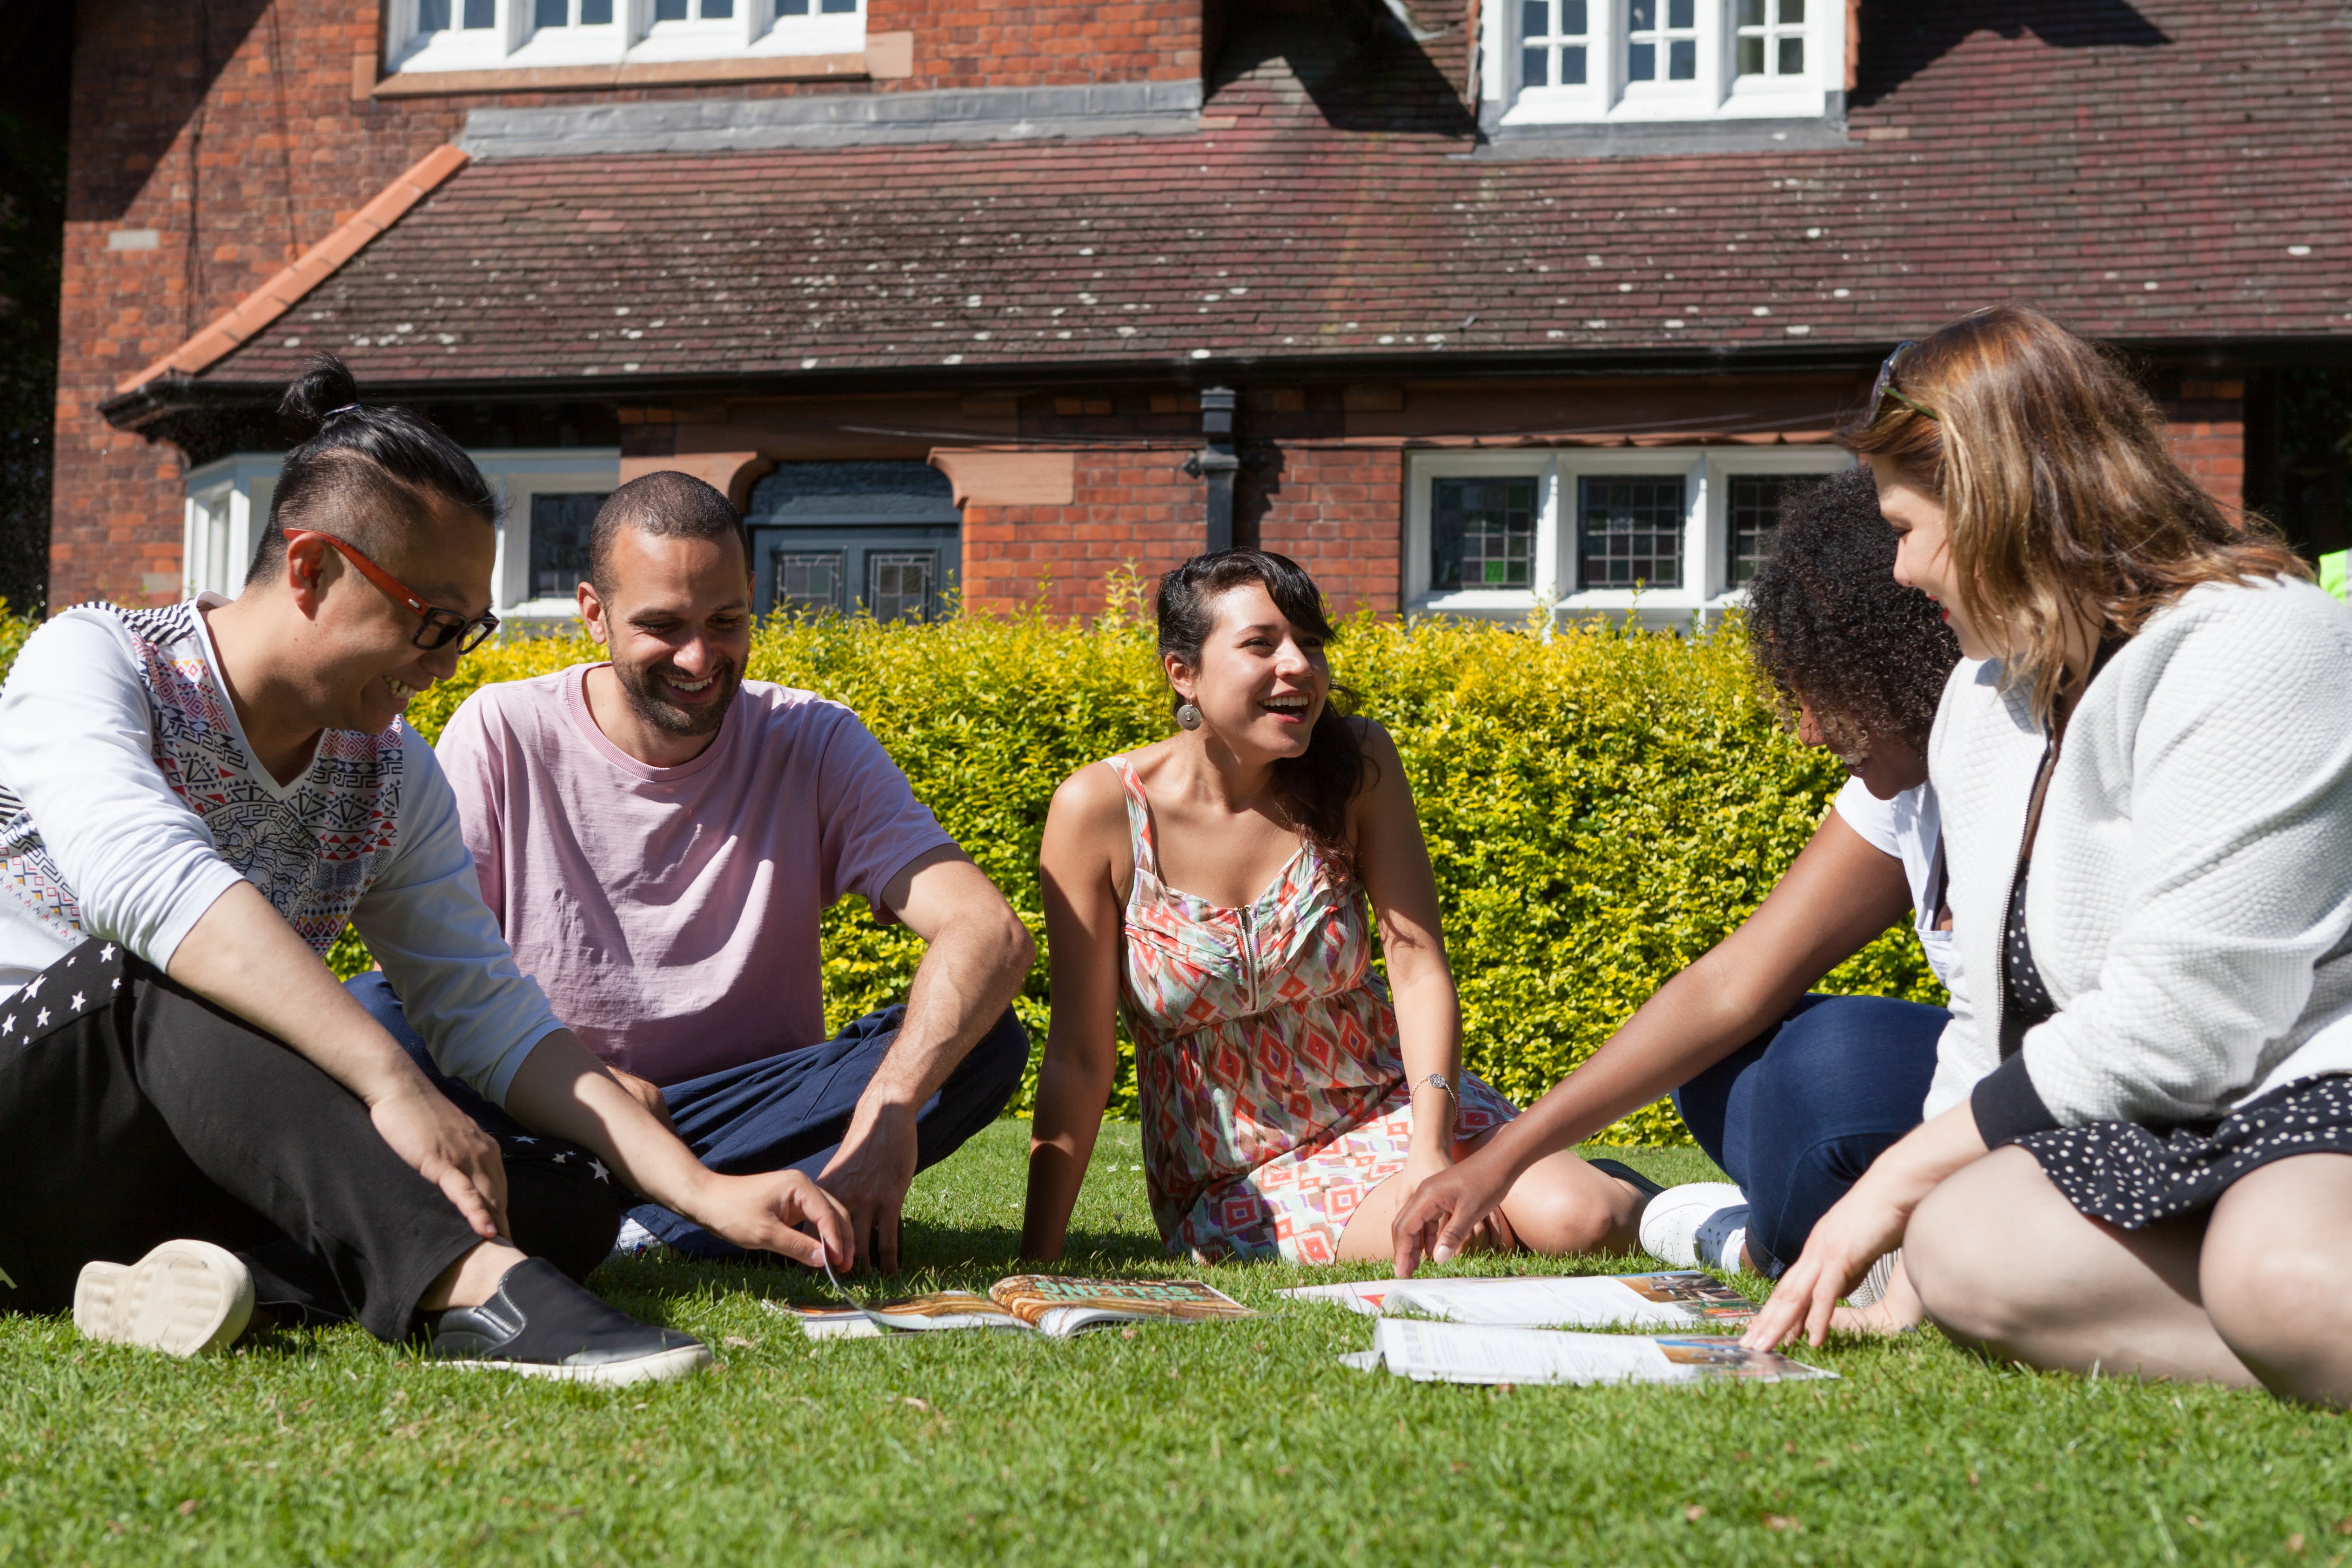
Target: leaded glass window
<point x="560" y="528"/>
<point x="1754" y="516"/>
<point x="808" y="582"/>
<point x="1662" y="34"/>
<point x="899" y="584"/>
<point x="1772" y="37"/>
<point x="1483" y="533"/>
<point x="1629" y="530"/>
<point x="1553" y="37"/>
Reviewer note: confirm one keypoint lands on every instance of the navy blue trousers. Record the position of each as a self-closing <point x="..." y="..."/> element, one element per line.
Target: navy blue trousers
<point x="786" y="1110"/>
<point x="1797" y="1114"/>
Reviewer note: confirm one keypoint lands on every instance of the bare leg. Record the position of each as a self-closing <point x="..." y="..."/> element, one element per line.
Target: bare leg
<point x="2276" y="1275"/>
<point x="471" y="1280"/>
<point x="2004" y="1262"/>
<point x="1563" y="1206"/>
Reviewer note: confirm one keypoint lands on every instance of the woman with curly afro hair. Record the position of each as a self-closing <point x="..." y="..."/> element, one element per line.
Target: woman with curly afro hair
<point x="1792" y="1094"/>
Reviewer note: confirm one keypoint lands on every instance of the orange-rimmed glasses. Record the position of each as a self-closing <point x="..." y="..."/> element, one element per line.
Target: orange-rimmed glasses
<point x="441" y="626"/>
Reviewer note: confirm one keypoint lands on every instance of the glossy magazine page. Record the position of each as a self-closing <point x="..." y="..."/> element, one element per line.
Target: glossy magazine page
<point x="1679" y="1298"/>
<point x="1458" y="1352"/>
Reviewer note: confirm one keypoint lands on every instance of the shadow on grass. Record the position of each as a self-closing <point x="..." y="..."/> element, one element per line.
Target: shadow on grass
<point x="653" y="1285"/>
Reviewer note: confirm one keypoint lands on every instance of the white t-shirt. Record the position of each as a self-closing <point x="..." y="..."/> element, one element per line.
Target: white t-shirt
<point x="1911" y="829"/>
<point x="130" y="802"/>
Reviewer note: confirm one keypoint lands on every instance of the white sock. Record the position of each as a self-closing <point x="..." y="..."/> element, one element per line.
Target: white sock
<point x="1721" y="1236"/>
<point x="1734" y="1246"/>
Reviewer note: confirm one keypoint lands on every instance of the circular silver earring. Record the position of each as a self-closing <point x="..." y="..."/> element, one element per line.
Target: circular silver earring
<point x="1189" y="716"/>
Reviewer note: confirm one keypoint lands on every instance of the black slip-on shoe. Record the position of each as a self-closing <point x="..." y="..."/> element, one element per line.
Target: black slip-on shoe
<point x="539" y="1324"/>
<point x="1626" y="1173"/>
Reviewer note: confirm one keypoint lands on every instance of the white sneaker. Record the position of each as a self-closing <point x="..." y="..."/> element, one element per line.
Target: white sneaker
<point x="634" y="1238"/>
<point x="1671" y="1221"/>
<point x="182" y="1299"/>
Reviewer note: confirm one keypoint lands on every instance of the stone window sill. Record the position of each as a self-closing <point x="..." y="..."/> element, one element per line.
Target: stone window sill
<point x="887" y="56"/>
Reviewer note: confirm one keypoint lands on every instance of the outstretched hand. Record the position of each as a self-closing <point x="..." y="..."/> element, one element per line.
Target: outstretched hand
<point x="870" y="1176"/>
<point x="774" y="1212"/>
<point x="1449" y="1213"/>
<point x="1860" y="1229"/>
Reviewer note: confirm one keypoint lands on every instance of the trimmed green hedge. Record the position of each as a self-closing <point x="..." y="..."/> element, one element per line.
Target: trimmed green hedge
<point x="1601" y="806"/>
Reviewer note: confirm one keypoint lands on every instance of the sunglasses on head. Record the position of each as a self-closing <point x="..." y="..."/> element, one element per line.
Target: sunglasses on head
<point x="1886" y="387"/>
<point x="441" y="626"/>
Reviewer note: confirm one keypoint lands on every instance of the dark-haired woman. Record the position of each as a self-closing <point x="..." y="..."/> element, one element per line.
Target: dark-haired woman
<point x="1792" y="1094"/>
<point x="193" y="1111"/>
<point x="1214" y="884"/>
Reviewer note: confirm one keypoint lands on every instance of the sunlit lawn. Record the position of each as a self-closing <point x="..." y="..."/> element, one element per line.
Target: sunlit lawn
<point x="1220" y="1444"/>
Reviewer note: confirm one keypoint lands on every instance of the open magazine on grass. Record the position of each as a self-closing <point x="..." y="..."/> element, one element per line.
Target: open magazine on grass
<point x="1681" y="1299"/>
<point x="1048" y="1304"/>
<point x="1461" y="1353"/>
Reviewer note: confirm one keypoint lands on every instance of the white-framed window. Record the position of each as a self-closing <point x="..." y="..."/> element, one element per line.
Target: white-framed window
<point x="227" y="507"/>
<point x="1675" y="531"/>
<point x="1570" y="62"/>
<point x="547" y="498"/>
<point x="501" y="35"/>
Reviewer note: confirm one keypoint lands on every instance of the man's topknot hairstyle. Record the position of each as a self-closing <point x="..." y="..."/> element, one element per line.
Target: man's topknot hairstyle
<point x="667" y="505"/>
<point x="1831" y="627"/>
<point x="364" y="475"/>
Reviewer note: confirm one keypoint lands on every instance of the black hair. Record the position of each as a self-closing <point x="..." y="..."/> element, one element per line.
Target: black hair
<point x="1316" y="787"/>
<point x="1829" y="627"/>
<point x="365" y="474"/>
<point x="667" y="505"/>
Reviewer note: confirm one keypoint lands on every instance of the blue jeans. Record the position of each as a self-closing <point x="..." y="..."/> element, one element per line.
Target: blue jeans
<point x="786" y="1110"/>
<point x="1797" y="1114"/>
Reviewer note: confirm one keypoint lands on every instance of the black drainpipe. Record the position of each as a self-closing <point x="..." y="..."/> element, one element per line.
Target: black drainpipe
<point x="1216" y="464"/>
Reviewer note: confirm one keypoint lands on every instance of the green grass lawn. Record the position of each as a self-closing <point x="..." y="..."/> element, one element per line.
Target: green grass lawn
<point x="1220" y="1444"/>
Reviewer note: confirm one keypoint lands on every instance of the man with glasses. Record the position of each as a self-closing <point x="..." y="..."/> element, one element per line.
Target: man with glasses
<point x="194" y="1116"/>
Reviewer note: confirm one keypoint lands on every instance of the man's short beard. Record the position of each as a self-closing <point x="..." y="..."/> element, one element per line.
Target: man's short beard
<point x="643" y="688"/>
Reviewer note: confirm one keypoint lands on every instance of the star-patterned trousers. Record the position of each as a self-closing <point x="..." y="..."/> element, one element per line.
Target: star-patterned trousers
<point x="133" y="1113"/>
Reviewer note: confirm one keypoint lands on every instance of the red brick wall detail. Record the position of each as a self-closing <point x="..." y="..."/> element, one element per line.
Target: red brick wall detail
<point x="1337" y="512"/>
<point x="1132" y="506"/>
<point x="977" y="43"/>
<point x="2207" y="428"/>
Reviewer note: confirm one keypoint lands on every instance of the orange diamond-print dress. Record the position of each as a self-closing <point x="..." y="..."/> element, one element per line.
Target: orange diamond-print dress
<point x="1274" y="1089"/>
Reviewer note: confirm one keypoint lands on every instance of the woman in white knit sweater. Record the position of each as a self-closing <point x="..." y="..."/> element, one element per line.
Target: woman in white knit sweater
<point x="2137" y="1153"/>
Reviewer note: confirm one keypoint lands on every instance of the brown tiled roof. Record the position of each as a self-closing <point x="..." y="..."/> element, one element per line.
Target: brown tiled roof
<point x="2176" y="172"/>
<point x="258" y="310"/>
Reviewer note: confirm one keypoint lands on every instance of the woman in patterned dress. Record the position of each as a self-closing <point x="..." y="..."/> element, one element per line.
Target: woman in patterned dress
<point x="1214" y="885"/>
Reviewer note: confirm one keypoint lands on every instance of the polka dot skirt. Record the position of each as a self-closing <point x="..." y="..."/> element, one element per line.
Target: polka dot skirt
<point x="2129" y="1176"/>
<point x="2028" y="999"/>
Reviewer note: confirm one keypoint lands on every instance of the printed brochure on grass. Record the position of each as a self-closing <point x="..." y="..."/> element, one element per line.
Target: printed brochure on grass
<point x="1680" y="1298"/>
<point x="1460" y="1353"/>
<point x="1049" y="1304"/>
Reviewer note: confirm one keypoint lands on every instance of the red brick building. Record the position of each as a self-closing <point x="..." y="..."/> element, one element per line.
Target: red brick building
<point x="1515" y="299"/>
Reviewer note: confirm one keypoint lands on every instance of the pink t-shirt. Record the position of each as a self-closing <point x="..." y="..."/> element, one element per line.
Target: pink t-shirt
<point x="670" y="914"/>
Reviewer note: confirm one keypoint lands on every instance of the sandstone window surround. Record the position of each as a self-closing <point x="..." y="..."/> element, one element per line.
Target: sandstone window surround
<point x="1673" y="531"/>
<point x="423" y="38"/>
<point x="1599" y="62"/>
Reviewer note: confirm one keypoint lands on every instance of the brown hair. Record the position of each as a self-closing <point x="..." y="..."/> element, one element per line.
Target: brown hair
<point x="2063" y="502"/>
